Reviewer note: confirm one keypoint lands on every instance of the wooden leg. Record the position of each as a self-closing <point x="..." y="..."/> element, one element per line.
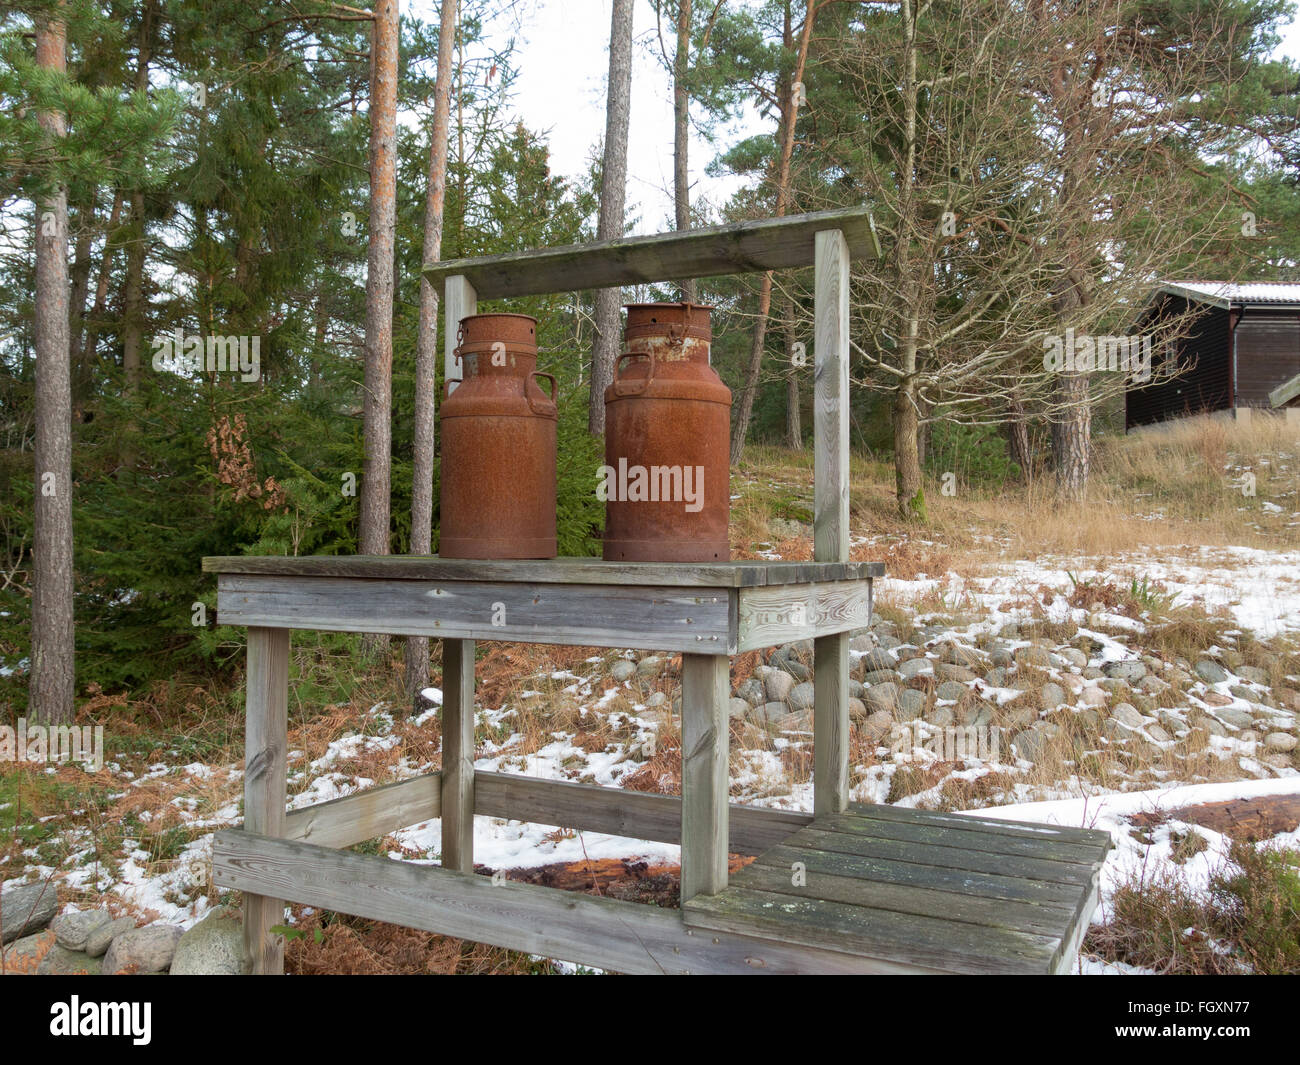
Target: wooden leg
<point x="831" y="514"/>
<point x="265" y="768"/>
<point x="704" y="774"/>
<point x="458" y="755"/>
<point x="830" y="724"/>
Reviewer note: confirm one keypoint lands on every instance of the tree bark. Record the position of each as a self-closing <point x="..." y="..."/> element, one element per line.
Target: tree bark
<point x="745" y="404"/>
<point x="52" y="687"/>
<point x="793" y="427"/>
<point x="1072" y="437"/>
<point x="133" y="283"/>
<point x="80" y="290"/>
<point x="1017" y="427"/>
<point x="426" y="350"/>
<point x="681" y="130"/>
<point x="613" y="192"/>
<point x="87" y="353"/>
<point x="378" y="399"/>
<point x="907" y="458"/>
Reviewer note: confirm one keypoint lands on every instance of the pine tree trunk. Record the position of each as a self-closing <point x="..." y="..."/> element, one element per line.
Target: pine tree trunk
<point x="681" y="130"/>
<point x="133" y="294"/>
<point x="907" y="459"/>
<point x="793" y="428"/>
<point x="377" y="402"/>
<point x="1017" y="428"/>
<point x="789" y="115"/>
<point x="426" y="350"/>
<point x="378" y="399"/>
<point x="749" y="388"/>
<point x="86" y="355"/>
<point x="52" y="688"/>
<point x="613" y="192"/>
<point x="80" y="289"/>
<point x="133" y="283"/>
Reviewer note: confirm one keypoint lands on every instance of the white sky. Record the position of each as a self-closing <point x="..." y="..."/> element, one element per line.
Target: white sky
<point x="563" y="60"/>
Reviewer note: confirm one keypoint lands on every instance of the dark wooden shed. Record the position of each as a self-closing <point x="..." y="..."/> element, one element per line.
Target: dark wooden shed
<point x="1242" y="353"/>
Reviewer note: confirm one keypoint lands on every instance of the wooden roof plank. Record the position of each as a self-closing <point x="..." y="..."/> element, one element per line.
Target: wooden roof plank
<point x="740" y="247"/>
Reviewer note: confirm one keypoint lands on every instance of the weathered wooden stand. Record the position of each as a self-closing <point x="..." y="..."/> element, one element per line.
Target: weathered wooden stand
<point x="877" y="889"/>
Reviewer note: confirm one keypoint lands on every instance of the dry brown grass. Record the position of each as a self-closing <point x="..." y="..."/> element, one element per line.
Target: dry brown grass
<point x="1246" y="921"/>
<point x="324" y="944"/>
<point x="1165" y="487"/>
<point x="661" y="774"/>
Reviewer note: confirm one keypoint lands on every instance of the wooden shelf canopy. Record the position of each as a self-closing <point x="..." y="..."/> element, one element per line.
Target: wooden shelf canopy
<point x="737" y="248"/>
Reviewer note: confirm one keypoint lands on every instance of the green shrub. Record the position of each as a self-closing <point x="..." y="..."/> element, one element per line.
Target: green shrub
<point x="977" y="454"/>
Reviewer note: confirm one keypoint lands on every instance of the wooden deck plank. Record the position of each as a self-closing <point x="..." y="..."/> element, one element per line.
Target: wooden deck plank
<point x="618" y="936"/>
<point x="1024" y="829"/>
<point x="1043" y="918"/>
<point x="976" y="839"/>
<point x="899" y="937"/>
<point x="740" y="574"/>
<point x="929" y="877"/>
<point x="869" y="846"/>
<point x="738" y="247"/>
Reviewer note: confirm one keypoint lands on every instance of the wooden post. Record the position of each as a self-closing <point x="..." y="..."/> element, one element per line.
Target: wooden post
<point x="265" y="769"/>
<point x="831" y="514"/>
<point x="458" y="755"/>
<point x="704" y="774"/>
<point x="459" y="300"/>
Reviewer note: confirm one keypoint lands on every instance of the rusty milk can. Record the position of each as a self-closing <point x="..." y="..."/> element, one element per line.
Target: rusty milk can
<point x="498" y="445"/>
<point x="666" y="478"/>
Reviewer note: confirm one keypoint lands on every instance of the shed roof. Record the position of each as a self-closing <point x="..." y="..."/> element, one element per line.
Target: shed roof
<point x="1225" y="294"/>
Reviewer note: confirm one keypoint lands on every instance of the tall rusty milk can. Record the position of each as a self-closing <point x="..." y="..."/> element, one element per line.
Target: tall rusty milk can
<point x="666" y="479"/>
<point x="498" y="445"/>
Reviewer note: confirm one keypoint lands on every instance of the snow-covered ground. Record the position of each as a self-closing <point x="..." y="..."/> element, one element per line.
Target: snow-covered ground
<point x="1260" y="590"/>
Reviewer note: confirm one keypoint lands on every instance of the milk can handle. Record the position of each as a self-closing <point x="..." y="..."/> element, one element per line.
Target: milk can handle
<point x="619" y="389"/>
<point x="531" y="405"/>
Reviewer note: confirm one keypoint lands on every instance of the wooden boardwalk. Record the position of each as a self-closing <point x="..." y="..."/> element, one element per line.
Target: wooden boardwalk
<point x="919" y="891"/>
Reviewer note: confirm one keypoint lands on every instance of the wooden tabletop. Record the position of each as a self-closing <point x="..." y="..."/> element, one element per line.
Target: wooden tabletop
<point x="743" y="574"/>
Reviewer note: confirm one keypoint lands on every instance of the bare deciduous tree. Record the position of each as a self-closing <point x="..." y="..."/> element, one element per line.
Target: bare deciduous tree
<point x="979" y="199"/>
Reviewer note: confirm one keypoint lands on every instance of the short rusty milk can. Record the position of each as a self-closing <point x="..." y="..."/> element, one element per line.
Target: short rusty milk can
<point x="498" y="445"/>
<point x="666" y="481"/>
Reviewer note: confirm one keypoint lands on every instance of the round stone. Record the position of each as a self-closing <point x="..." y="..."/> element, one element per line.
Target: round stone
<point x="777" y="686"/>
<point x="881" y="697"/>
<point x="1210" y="671"/>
